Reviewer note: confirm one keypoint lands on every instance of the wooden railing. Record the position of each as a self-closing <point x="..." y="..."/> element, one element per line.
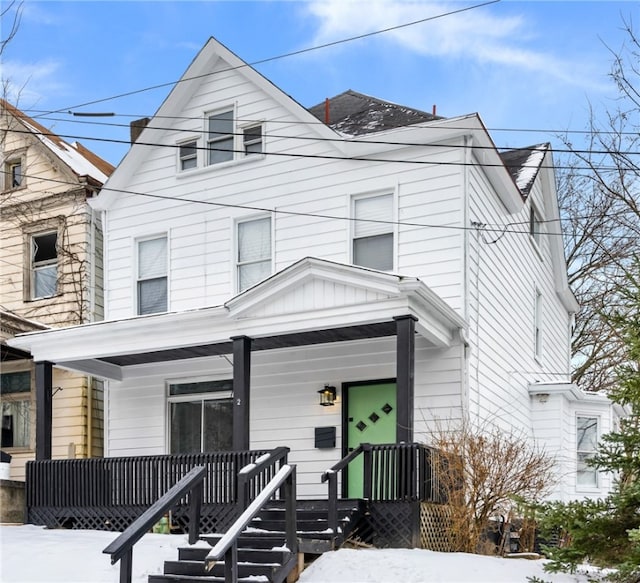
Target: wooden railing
<point x="391" y="472"/>
<point x="121" y="549"/>
<point x="81" y="493"/>
<point x="253" y="478"/>
<point x="227" y="547"/>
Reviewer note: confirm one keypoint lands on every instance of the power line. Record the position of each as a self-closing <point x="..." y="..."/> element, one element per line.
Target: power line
<point x="342" y="139"/>
<point x="502" y="230"/>
<point x="278" y="57"/>
<point x="324" y="156"/>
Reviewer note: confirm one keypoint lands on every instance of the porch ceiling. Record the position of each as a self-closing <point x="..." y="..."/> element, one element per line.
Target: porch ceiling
<point x="342" y="334"/>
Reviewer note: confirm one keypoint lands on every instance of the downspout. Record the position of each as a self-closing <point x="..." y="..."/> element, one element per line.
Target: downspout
<point x="466" y="350"/>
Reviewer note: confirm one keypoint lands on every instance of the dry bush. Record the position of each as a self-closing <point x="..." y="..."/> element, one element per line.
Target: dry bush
<point x="483" y="472"/>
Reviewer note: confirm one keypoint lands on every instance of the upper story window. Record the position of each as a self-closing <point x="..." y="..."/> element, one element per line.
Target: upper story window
<point x="200" y="416"/>
<point x="254" y="251"/>
<point x="13" y="171"/>
<point x="535" y="225"/>
<point x="44" y="264"/>
<point x="15" y="389"/>
<point x="189" y="155"/>
<point x="220" y="137"/>
<point x="586" y="446"/>
<point x="252" y="140"/>
<point x="152" y="275"/>
<point x="537" y="320"/>
<point x="373" y="232"/>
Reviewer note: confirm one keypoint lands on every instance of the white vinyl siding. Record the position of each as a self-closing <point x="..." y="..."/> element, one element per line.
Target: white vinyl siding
<point x="373" y="244"/>
<point x="152" y="275"/>
<point x="254" y="251"/>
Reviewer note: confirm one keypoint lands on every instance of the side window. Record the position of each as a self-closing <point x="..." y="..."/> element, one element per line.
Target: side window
<point x="13" y="174"/>
<point x="536" y="225"/>
<point x="253" y="251"/>
<point x="373" y="244"/>
<point x="44" y="265"/>
<point x="188" y="155"/>
<point x="252" y="140"/>
<point x="220" y="137"/>
<point x="15" y="409"/>
<point x="152" y="275"/>
<point x="538" y="319"/>
<point x="586" y="445"/>
<point x="200" y="416"/>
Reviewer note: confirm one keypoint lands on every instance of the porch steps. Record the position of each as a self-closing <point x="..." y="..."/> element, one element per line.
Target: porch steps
<point x="261" y="550"/>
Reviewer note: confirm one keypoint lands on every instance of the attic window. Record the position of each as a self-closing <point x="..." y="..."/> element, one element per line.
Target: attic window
<point x="189" y="155"/>
<point x="252" y="140"/>
<point x="220" y="137"/>
<point x="535" y="225"/>
<point x="13" y="175"/>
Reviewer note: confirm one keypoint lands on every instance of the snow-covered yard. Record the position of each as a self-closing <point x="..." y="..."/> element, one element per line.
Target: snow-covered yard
<point x="34" y="554"/>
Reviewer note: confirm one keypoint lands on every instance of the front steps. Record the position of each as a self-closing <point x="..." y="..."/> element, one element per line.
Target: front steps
<point x="261" y="550"/>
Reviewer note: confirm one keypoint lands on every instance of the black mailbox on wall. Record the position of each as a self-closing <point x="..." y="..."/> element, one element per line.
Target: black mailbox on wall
<point x="325" y="437"/>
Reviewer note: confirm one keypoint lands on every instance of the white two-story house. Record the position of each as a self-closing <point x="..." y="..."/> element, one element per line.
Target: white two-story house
<point x="319" y="278"/>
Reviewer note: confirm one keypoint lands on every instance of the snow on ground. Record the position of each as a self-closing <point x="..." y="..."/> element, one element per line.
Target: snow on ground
<point x="30" y="554"/>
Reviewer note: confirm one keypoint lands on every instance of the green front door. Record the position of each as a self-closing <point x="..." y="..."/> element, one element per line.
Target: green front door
<point x="371" y="418"/>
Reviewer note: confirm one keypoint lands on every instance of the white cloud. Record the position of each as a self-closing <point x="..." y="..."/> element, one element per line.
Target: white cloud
<point x="27" y="84"/>
<point x="477" y="35"/>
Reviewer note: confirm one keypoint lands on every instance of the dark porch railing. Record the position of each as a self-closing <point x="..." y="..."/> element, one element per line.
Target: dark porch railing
<point x="398" y="472"/>
<point x="109" y="493"/>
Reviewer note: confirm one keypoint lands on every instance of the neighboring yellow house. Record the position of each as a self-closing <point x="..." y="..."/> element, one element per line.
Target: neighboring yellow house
<point x="50" y="276"/>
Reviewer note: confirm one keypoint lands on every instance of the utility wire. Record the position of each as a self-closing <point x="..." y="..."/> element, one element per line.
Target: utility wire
<point x="500" y="230"/>
<point x="348" y="139"/>
<point x="278" y="57"/>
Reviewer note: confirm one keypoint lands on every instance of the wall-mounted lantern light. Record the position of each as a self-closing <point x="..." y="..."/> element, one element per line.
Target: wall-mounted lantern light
<point x="542" y="397"/>
<point x="327" y="396"/>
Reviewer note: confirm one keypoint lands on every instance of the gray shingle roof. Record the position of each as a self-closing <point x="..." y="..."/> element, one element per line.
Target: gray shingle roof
<point x="357" y="114"/>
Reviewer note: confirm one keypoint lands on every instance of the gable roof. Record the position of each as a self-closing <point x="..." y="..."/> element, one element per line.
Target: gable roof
<point x="524" y="165"/>
<point x="80" y="160"/>
<point x="358" y="114"/>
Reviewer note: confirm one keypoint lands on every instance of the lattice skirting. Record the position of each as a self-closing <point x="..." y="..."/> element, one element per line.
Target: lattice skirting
<point x="390" y="525"/>
<point x="213" y="518"/>
<point x="435" y="527"/>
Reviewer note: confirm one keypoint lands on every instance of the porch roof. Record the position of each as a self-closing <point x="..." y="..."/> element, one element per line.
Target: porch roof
<point x="313" y="301"/>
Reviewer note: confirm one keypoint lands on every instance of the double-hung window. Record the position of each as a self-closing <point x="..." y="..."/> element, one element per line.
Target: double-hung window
<point x="373" y="232"/>
<point x="220" y="138"/>
<point x="15" y="406"/>
<point x="152" y="275"/>
<point x="535" y="225"/>
<point x="189" y="155"/>
<point x="200" y="416"/>
<point x="254" y="251"/>
<point x="13" y="174"/>
<point x="252" y="140"/>
<point x="44" y="264"/>
<point x="586" y="445"/>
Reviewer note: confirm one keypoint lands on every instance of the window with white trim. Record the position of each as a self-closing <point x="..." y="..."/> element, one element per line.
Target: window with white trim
<point x="373" y="244"/>
<point x="200" y="416"/>
<point x="220" y="138"/>
<point x="15" y="409"/>
<point x="253" y="251"/>
<point x="535" y="225"/>
<point x="188" y="152"/>
<point x="537" y="320"/>
<point x="252" y="140"/>
<point x="586" y="446"/>
<point x="44" y="264"/>
<point x="152" y="275"/>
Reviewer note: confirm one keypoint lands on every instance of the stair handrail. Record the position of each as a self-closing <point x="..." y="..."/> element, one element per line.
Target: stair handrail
<point x="227" y="547"/>
<point x="121" y="549"/>
<point x="279" y="454"/>
<point x="331" y="476"/>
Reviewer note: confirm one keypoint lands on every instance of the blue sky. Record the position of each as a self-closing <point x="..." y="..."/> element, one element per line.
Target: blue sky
<point x="536" y="65"/>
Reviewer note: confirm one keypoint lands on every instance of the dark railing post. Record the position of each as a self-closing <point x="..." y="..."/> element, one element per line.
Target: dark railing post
<point x="231" y="564"/>
<point x="126" y="566"/>
<point x="195" y="508"/>
<point x="44" y="409"/>
<point x="290" y="513"/>
<point x="367" y="470"/>
<point x="333" y="502"/>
